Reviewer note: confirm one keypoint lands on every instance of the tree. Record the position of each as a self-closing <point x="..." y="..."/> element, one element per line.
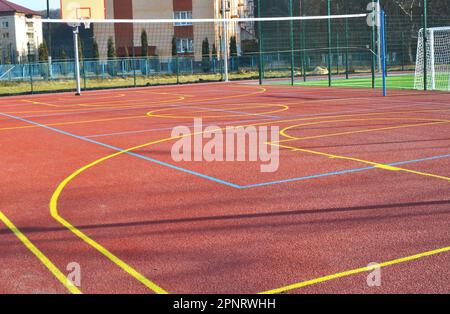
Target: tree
<point x="95" y="52"/>
<point x="111" y="56"/>
<point x="214" y="51"/>
<point x="43" y="51"/>
<point x="111" y="49"/>
<point x="80" y="49"/>
<point x="8" y="57"/>
<point x="144" y="43"/>
<point x="174" y="46"/>
<point x="206" y="60"/>
<point x="233" y="46"/>
<point x="63" y="57"/>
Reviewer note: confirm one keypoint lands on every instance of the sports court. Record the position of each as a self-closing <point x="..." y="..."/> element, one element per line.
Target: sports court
<point x="362" y="179"/>
<point x="90" y="181"/>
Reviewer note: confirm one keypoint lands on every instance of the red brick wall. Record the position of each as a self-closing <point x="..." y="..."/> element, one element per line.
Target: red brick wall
<point x="183" y="5"/>
<point x="123" y="9"/>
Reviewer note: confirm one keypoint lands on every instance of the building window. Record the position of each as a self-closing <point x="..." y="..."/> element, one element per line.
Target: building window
<point x="5" y="24"/>
<point x="6" y="35"/>
<point x="182" y="15"/>
<point x="185" y="45"/>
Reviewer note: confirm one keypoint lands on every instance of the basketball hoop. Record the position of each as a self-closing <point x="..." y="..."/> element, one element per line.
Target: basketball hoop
<point x="85" y="22"/>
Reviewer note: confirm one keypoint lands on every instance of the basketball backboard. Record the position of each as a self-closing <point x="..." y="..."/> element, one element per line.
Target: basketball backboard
<point x="83" y="9"/>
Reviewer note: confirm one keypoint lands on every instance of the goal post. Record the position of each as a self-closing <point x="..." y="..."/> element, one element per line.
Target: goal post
<point x="433" y="59"/>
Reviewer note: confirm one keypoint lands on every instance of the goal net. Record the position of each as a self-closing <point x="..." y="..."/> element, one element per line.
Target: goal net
<point x="433" y="59"/>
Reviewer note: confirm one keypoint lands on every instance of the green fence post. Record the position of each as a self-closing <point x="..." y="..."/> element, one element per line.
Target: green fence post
<point x="329" y="42"/>
<point x="403" y="51"/>
<point x="346" y="49"/>
<point x="29" y="68"/>
<point x="133" y="63"/>
<point x="260" y="39"/>
<point x="337" y="53"/>
<point x="305" y="50"/>
<point x="291" y="30"/>
<point x="177" y="69"/>
<point x="84" y="74"/>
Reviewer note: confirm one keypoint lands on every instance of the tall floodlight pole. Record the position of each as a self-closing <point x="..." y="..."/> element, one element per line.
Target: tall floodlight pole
<point x="329" y="42"/>
<point x="425" y="45"/>
<point x="225" y="42"/>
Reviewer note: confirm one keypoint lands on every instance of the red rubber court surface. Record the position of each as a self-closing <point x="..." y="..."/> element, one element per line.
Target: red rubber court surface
<point x="90" y="180"/>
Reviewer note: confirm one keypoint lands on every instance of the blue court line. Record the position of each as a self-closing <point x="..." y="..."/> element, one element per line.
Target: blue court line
<point x="342" y="172"/>
<point x="122" y="151"/>
<point x="236" y="186"/>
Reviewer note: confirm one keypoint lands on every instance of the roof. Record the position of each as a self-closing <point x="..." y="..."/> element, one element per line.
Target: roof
<point x="6" y="7"/>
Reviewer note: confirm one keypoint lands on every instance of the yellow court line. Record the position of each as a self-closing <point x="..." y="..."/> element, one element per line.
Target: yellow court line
<point x="371" y="163"/>
<point x="32" y="102"/>
<point x="44" y="259"/>
<point x="133" y="106"/>
<point x="56" y="195"/>
<point x="293" y="138"/>
<point x="355" y="271"/>
<point x="215" y="109"/>
<point x="123" y="265"/>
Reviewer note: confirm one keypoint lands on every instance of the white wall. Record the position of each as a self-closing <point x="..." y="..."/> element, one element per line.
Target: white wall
<point x="19" y="36"/>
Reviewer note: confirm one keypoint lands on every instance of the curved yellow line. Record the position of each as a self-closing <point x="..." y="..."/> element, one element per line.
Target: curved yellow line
<point x="292" y="138"/>
<point x="169" y="116"/>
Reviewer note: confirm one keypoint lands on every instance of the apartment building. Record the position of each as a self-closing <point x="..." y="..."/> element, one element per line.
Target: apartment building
<point x="188" y="37"/>
<point x="16" y="32"/>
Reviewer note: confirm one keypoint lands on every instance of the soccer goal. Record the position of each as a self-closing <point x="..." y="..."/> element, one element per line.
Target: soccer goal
<point x="433" y="59"/>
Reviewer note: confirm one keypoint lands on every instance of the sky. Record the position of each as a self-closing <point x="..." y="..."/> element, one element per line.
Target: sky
<point x="37" y="4"/>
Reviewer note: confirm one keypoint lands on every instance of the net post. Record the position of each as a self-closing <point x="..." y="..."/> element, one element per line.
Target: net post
<point x="432" y="60"/>
<point x="329" y="42"/>
<point x="383" y="51"/>
<point x="225" y="42"/>
<point x="291" y="31"/>
<point x="425" y="48"/>
<point x="374" y="44"/>
<point x="77" y="60"/>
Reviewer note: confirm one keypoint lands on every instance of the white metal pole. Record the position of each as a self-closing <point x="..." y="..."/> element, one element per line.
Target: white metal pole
<point x="379" y="36"/>
<point x="225" y="42"/>
<point x="77" y="60"/>
<point x="432" y="60"/>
